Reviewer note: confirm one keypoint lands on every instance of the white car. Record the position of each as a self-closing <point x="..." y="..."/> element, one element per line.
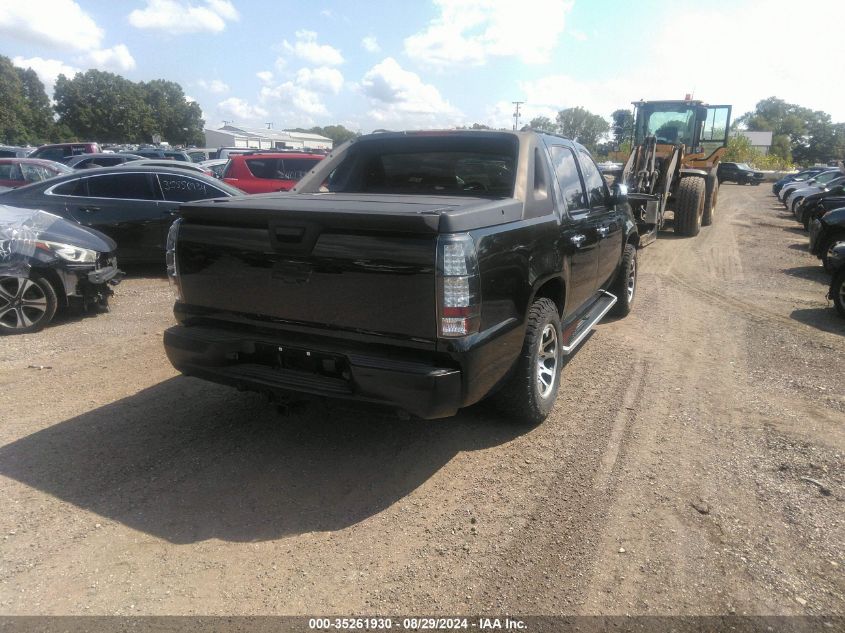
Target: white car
<point x="820" y="179"/>
<point x="797" y="196"/>
<point x="215" y="166"/>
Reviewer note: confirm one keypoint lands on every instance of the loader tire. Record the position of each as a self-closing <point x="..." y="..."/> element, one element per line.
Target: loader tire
<point x="710" y="204"/>
<point x="689" y="207"/>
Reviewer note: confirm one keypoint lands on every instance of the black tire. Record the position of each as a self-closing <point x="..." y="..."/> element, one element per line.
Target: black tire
<point x="27" y="304"/>
<point x="625" y="284"/>
<point x="710" y="204"/>
<point x="520" y="398"/>
<point x="689" y="206"/>
<point x="839" y="237"/>
<point x="837" y="291"/>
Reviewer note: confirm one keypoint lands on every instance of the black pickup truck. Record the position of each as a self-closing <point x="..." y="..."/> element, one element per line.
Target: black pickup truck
<point x="420" y="270"/>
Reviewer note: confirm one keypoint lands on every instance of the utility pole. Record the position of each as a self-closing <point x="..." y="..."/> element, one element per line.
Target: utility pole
<point x="516" y="114"/>
<point x="269" y="125"/>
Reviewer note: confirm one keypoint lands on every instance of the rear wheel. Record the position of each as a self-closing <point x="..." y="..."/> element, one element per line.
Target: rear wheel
<point x="710" y="204"/>
<point x="837" y="291"/>
<point x="27" y="304"/>
<point x="530" y="392"/>
<point x="827" y="251"/>
<point x="689" y="206"/>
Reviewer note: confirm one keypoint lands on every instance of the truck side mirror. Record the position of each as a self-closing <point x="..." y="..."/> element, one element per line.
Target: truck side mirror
<point x="619" y="194"/>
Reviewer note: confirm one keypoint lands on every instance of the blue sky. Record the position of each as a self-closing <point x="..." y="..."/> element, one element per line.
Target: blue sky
<point x="433" y="63"/>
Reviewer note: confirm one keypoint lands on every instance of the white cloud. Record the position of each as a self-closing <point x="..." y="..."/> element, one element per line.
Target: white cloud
<point x="370" y="44"/>
<point x="60" y="24"/>
<point x="321" y="79"/>
<point x="788" y="77"/>
<point x="240" y="109"/>
<point x="215" y="86"/>
<point x="295" y="96"/>
<point x="115" y="58"/>
<point x="306" y="47"/>
<point x="265" y="76"/>
<point x="469" y="32"/>
<point x="399" y="96"/>
<point x="48" y="70"/>
<point x="177" y="16"/>
<point x="578" y="35"/>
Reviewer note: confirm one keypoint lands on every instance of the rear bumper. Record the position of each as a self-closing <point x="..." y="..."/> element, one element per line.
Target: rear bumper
<point x="255" y="363"/>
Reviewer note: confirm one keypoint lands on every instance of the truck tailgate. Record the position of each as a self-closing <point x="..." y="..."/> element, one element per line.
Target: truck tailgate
<point x="369" y="267"/>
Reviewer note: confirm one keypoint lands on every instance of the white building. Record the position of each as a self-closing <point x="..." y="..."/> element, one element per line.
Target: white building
<point x="238" y="136"/>
<point x="759" y="140"/>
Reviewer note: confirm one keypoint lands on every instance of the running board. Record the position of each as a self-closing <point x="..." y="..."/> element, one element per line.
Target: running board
<point x="593" y="316"/>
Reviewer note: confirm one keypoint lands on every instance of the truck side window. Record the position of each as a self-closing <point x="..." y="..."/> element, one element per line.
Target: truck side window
<point x="566" y="172"/>
<point x="596" y="187"/>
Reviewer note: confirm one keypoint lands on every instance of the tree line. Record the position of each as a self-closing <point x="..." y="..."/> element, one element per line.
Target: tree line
<point x="94" y="105"/>
<point x="799" y="135"/>
<point x="103" y="106"/>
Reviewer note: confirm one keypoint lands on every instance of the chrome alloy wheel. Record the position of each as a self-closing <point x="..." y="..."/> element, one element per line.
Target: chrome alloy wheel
<point x="22" y="303"/>
<point x="631" y="285"/>
<point x="547" y="359"/>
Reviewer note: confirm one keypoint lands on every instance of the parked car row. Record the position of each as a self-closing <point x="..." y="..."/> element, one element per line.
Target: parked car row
<point x="816" y="197"/>
<point x="63" y="225"/>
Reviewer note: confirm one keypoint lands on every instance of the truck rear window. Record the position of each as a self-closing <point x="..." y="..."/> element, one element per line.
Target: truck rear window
<point x="431" y="166"/>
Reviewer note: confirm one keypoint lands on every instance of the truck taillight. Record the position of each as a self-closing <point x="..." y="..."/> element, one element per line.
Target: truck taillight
<point x="458" y="291"/>
<point x="171" y="260"/>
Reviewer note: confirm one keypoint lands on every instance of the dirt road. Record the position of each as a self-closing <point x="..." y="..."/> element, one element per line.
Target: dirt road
<point x="672" y="477"/>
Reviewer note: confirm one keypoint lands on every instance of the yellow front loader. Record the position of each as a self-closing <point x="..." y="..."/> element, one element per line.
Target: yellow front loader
<point x="672" y="167"/>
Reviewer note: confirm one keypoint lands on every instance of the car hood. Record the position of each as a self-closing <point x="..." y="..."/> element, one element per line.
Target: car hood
<point x="836" y="217"/>
<point x="804" y="191"/>
<point x="52" y="228"/>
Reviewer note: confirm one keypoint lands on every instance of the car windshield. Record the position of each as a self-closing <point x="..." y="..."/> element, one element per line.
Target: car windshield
<point x="744" y="166"/>
<point x="827" y="177"/>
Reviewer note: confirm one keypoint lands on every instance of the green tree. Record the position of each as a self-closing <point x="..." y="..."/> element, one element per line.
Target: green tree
<point x="104" y="106"/>
<point x="174" y="119"/>
<point x="806" y="135"/>
<point x="543" y="124"/>
<point x="337" y="133"/>
<point x="622" y="127"/>
<point x="582" y="125"/>
<point x="12" y="106"/>
<point x="39" y="112"/>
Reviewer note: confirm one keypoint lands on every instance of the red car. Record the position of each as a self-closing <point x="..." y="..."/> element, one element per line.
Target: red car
<point x="17" y="172"/>
<point x="263" y="172"/>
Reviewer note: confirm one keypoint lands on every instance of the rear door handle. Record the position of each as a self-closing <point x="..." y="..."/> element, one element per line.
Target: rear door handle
<point x="89" y="209"/>
<point x="578" y="239"/>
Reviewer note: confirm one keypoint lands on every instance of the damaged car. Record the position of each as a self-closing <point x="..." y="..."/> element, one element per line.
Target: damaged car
<point x="48" y="264"/>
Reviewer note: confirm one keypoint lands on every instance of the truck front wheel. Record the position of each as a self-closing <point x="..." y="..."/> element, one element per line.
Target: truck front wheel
<point x="625" y="284"/>
<point x="530" y="392"/>
<point x="689" y="207"/>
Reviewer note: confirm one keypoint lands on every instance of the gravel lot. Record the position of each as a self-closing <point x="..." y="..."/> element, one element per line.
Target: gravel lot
<point x="675" y="475"/>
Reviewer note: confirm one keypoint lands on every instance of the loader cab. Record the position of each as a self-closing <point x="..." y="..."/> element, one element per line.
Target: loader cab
<point x="701" y="129"/>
